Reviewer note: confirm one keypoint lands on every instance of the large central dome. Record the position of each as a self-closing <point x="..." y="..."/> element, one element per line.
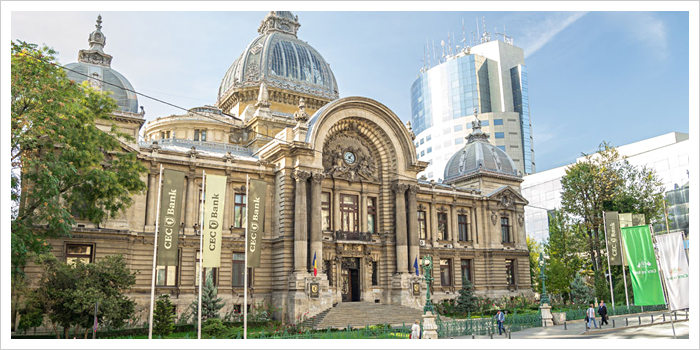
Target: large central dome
<point x="282" y="61"/>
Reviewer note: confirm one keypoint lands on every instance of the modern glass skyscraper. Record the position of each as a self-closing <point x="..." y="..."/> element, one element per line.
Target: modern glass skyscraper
<point x="490" y="77"/>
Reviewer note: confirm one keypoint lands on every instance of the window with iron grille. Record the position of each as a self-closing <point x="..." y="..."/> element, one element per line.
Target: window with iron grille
<point x="422" y="225"/>
<point x="463" y="228"/>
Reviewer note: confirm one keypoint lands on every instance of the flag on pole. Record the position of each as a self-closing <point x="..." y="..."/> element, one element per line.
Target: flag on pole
<point x="257" y="190"/>
<point x="674" y="266"/>
<point x="315" y="267"/>
<point x="415" y="266"/>
<point x="169" y="217"/>
<point x="644" y="270"/>
<point x="213" y="219"/>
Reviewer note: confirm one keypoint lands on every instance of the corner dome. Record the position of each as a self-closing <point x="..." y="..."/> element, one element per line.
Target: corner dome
<point x="94" y="65"/>
<point x="282" y="61"/>
<point x="478" y="155"/>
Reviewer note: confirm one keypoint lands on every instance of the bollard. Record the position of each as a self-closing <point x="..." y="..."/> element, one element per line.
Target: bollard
<point x="491" y="335"/>
<point x="564" y="325"/>
<point x="675" y="315"/>
<point x="472" y="335"/>
<point x="509" y="334"/>
<point x="652" y="318"/>
<point x="640" y="319"/>
<point x="613" y="322"/>
<point x="664" y="315"/>
<point x="686" y="315"/>
<point x="626" y="323"/>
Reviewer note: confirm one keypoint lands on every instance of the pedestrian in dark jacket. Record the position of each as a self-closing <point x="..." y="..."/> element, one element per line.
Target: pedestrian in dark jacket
<point x="603" y="312"/>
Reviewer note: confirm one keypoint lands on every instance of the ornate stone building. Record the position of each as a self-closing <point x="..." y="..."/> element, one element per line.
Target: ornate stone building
<point x="342" y="186"/>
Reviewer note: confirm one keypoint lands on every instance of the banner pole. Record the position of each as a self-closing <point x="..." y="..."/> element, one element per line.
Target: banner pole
<point x="666" y="216"/>
<point x="624" y="276"/>
<point x="245" y="267"/>
<point x="658" y="264"/>
<point x="607" y="250"/>
<point x="155" y="250"/>
<point x="201" y="259"/>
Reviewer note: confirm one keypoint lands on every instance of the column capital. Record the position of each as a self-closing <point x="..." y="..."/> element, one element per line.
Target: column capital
<point x="317" y="177"/>
<point x="399" y="187"/>
<point x="412" y="189"/>
<point x="301" y="175"/>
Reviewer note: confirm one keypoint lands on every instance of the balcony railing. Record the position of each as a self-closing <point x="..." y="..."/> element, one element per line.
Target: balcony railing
<point x="352" y="236"/>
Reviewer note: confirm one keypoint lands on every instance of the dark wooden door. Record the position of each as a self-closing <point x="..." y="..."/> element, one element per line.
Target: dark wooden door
<point x="355" y="285"/>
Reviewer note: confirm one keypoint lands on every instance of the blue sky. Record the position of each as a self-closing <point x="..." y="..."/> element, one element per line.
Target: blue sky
<point x="594" y="76"/>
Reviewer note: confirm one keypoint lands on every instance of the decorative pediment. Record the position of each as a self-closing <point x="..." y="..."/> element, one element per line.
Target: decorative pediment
<point x="507" y="197"/>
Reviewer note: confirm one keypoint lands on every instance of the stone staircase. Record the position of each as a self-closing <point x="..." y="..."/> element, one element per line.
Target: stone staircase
<point x="361" y="314"/>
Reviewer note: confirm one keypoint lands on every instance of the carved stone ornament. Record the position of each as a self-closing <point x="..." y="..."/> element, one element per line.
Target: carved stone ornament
<point x="521" y="220"/>
<point x="193" y="152"/>
<point x="300" y="116"/>
<point x="494" y="217"/>
<point x="228" y="157"/>
<point x="339" y="249"/>
<point x="399" y="187"/>
<point x="506" y="200"/>
<point x="301" y="175"/>
<point x="346" y="157"/>
<point x="317" y="177"/>
<point x="421" y="206"/>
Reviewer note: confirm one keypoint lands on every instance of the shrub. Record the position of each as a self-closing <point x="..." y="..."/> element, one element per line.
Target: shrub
<point x="215" y="328"/>
<point x="163" y="316"/>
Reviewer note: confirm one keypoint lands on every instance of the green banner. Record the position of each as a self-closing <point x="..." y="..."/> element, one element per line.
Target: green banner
<point x="644" y="270"/>
<point x="256" y="216"/>
<point x="169" y="225"/>
<point x="213" y="219"/>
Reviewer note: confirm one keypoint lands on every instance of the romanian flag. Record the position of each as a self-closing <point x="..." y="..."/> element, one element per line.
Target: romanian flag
<point x="315" y="267"/>
<point x="415" y="266"/>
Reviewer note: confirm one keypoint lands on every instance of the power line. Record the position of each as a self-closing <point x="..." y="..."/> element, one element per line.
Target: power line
<point x="182" y="108"/>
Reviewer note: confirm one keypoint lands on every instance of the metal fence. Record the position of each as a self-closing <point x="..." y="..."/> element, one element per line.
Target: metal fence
<point x="579" y="314"/>
<point x="486" y="325"/>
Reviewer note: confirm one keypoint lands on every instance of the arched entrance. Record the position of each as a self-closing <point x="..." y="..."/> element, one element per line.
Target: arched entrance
<point x="350" y="279"/>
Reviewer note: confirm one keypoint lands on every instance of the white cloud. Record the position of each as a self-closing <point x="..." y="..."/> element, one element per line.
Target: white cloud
<point x="541" y="29"/>
<point x="647" y="28"/>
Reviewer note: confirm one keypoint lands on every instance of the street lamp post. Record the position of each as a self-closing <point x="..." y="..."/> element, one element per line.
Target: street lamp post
<point x="428" y="272"/>
<point x="544" y="298"/>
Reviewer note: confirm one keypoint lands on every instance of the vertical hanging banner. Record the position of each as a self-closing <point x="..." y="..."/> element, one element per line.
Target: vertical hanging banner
<point x="169" y="225"/>
<point x="612" y="228"/>
<point x="256" y="216"/>
<point x="644" y="270"/>
<point x="674" y="266"/>
<point x="213" y="220"/>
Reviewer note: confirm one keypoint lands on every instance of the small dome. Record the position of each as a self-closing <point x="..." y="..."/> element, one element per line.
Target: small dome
<point x="283" y="61"/>
<point x="94" y="65"/>
<point x="479" y="155"/>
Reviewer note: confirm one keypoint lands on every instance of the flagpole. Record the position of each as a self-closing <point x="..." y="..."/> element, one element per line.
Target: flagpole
<point x="607" y="250"/>
<point x="155" y="250"/>
<point x="658" y="263"/>
<point x="245" y="267"/>
<point x="201" y="259"/>
<point x="624" y="276"/>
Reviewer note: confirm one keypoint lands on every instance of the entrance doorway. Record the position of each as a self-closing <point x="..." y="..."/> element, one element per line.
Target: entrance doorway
<point x="350" y="279"/>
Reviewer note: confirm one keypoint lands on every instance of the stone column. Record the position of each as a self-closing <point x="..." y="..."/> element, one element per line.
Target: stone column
<point x="151" y="202"/>
<point x="472" y="225"/>
<point x="455" y="226"/>
<point x="413" y="248"/>
<point x="300" y="221"/>
<point x="335" y="207"/>
<point x="401" y="238"/>
<point x="363" y="211"/>
<point x="316" y="234"/>
<point x="191" y="203"/>
<point x="433" y="224"/>
<point x="228" y="208"/>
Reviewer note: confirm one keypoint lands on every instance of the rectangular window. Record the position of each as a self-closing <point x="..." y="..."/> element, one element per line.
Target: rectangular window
<point x="505" y="231"/>
<point x="458" y="127"/>
<point x="510" y="272"/>
<point x="499" y="135"/>
<point x="463" y="228"/>
<point x="467" y="269"/>
<point x="162" y="135"/>
<point x="200" y="135"/>
<point x="166" y="276"/>
<point x="459" y="141"/>
<point x="498" y="122"/>
<point x="422" y="153"/>
<point x="484" y="123"/>
<point x="428" y="138"/>
<point x="422" y="141"/>
<point x="371" y="214"/>
<point x="422" y="226"/>
<point x="237" y="270"/>
<point x="325" y="211"/>
<point x="430" y="149"/>
<point x="375" y="274"/>
<point x="239" y="214"/>
<point x="503" y="148"/>
<point x="446" y="272"/>
<point x="442" y="226"/>
<point x="348" y="213"/>
<point x="78" y="252"/>
<point x="206" y="273"/>
<point x="203" y="134"/>
<point x="196" y="134"/>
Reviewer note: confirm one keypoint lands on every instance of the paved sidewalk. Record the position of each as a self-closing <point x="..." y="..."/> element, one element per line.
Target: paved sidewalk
<point x="630" y="329"/>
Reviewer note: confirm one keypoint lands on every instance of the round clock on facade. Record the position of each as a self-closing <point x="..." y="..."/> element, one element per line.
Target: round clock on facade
<point x="349" y="157"/>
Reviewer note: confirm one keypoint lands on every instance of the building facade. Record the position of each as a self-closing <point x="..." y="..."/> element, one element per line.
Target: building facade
<point x="342" y="185"/>
<point x="490" y="78"/>
<point x="667" y="154"/>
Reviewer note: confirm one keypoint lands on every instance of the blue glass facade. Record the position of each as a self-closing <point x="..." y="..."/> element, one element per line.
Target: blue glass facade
<point x="449" y="91"/>
<point x="521" y="101"/>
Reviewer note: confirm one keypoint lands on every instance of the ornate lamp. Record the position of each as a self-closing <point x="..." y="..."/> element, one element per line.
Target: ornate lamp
<point x="428" y="272"/>
<point x="544" y="299"/>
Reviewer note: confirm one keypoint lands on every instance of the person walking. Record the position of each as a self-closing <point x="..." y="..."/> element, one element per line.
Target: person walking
<point x="500" y="317"/>
<point x="603" y="312"/>
<point x="590" y="313"/>
<point x="415" y="331"/>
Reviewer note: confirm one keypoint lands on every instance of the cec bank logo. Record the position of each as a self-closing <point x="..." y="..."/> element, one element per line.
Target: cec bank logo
<point x="643" y="264"/>
<point x="213" y="224"/>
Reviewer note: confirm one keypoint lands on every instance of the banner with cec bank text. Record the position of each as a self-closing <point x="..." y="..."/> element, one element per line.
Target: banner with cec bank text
<point x="169" y="220"/>
<point x="644" y="270"/>
<point x="215" y="198"/>
<point x="256" y="216"/>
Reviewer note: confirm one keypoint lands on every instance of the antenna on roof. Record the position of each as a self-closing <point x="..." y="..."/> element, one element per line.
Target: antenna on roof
<point x="477" y="29"/>
<point x="449" y="44"/>
<point x="464" y="36"/>
<point x="427" y="47"/>
<point x="442" y="43"/>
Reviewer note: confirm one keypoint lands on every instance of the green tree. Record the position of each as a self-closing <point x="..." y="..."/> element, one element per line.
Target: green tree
<point x="581" y="292"/>
<point x="535" y="250"/>
<point x="69" y="292"/>
<point x="63" y="166"/>
<point x="210" y="303"/>
<point x="466" y="301"/>
<point x="563" y="248"/>
<point x="164" y="316"/>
